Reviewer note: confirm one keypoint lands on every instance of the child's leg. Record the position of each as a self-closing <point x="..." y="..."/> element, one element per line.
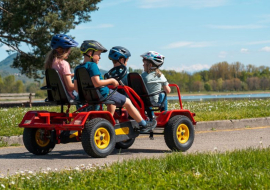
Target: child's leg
<point x="111" y="108"/>
<point x="160" y="99"/>
<point x="132" y="111"/>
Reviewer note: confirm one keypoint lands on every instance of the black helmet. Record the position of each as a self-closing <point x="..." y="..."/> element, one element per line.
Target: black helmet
<point x="92" y="45"/>
<point x="117" y="52"/>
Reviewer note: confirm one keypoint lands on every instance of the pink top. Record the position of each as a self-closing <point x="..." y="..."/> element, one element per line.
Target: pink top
<point x="63" y="69"/>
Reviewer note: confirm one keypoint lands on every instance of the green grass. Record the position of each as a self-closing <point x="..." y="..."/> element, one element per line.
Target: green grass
<point x="227" y="109"/>
<point x="205" y="111"/>
<point x="239" y="169"/>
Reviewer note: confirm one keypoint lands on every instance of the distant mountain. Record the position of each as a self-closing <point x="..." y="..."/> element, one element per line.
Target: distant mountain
<point x="6" y="70"/>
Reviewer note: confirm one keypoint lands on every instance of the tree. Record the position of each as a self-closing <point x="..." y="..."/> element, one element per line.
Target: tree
<point x="34" y="23"/>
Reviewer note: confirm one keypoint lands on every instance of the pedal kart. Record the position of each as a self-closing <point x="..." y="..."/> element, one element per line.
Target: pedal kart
<point x="100" y="132"/>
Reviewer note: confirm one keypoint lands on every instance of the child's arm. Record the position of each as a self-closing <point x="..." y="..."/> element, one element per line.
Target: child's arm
<point x="68" y="82"/>
<point x="97" y="82"/>
<point x="167" y="89"/>
<point x="75" y="85"/>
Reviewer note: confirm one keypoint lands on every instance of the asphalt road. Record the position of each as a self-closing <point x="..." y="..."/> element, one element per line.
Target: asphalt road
<point x="16" y="159"/>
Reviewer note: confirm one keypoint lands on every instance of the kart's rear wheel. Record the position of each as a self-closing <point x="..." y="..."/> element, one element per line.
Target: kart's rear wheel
<point x="98" y="138"/>
<point x="38" y="141"/>
<point x="125" y="144"/>
<point x="179" y="133"/>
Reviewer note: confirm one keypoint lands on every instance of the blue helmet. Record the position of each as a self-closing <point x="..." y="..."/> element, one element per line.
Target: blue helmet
<point x="118" y="52"/>
<point x="63" y="41"/>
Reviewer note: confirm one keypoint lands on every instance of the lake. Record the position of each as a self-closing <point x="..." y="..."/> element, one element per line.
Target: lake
<point x="220" y="97"/>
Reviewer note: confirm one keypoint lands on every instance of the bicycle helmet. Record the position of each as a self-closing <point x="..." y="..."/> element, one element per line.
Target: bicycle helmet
<point x="63" y="41"/>
<point x="118" y="52"/>
<point x="92" y="45"/>
<point x="155" y="57"/>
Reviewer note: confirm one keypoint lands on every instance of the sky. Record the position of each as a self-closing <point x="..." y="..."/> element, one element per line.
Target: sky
<point x="191" y="34"/>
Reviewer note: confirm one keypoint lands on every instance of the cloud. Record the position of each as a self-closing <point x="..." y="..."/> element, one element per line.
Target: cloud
<point x="197" y="4"/>
<point x="244" y="50"/>
<point x="222" y="54"/>
<point x="265" y="19"/>
<point x="190" y="68"/>
<point x="233" y="27"/>
<point x="81" y="27"/>
<point x="259" y="42"/>
<point x="266" y="48"/>
<point x="188" y="44"/>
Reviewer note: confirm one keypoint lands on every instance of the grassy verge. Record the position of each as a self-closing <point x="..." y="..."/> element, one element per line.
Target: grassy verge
<point x="240" y="169"/>
<point x="205" y="111"/>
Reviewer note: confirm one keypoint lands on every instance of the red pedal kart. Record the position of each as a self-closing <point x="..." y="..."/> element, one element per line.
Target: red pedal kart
<point x="99" y="131"/>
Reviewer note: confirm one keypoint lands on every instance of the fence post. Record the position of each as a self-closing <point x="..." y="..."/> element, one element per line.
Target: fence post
<point x="30" y="100"/>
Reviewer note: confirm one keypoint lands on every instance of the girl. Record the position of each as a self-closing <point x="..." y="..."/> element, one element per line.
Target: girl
<point x="153" y="78"/>
<point x="61" y="46"/>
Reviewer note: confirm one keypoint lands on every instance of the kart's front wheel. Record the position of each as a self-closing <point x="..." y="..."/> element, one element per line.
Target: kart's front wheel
<point x="179" y="133"/>
<point x="98" y="138"/>
<point x="38" y="141"/>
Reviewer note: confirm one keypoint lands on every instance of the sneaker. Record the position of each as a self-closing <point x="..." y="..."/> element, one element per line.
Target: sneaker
<point x="150" y="126"/>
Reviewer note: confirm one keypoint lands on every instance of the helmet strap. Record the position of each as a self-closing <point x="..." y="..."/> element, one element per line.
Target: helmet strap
<point x="120" y="62"/>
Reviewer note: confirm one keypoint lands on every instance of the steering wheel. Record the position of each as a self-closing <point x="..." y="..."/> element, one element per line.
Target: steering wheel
<point x="117" y="72"/>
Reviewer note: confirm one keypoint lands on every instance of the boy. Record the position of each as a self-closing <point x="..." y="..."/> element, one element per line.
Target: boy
<point x="91" y="51"/>
<point x="120" y="55"/>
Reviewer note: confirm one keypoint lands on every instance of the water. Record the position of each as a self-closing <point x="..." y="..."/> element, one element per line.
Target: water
<point x="220" y="97"/>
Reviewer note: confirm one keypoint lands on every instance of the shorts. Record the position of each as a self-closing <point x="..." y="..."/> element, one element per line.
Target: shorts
<point x="118" y="98"/>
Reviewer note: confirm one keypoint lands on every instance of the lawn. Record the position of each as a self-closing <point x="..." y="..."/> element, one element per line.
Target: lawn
<point x="239" y="169"/>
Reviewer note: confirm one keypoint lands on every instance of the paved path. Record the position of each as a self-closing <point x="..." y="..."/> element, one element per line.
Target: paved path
<point x="70" y="155"/>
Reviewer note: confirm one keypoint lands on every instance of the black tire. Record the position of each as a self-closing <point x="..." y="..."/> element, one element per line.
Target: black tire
<point x="125" y="144"/>
<point x="94" y="147"/>
<point x="185" y="137"/>
<point x="37" y="143"/>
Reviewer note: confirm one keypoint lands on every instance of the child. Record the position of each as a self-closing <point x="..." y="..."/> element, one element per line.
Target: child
<point x="91" y="51"/>
<point x="119" y="55"/>
<point x="61" y="46"/>
<point x="153" y="78"/>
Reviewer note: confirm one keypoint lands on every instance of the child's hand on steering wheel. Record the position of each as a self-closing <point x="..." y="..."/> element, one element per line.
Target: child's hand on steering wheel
<point x="115" y="83"/>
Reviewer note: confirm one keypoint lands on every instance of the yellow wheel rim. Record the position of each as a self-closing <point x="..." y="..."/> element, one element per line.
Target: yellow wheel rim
<point x="102" y="138"/>
<point x="41" y="138"/>
<point x="182" y="133"/>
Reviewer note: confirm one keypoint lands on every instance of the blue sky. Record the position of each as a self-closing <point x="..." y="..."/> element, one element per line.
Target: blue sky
<point x="191" y="34"/>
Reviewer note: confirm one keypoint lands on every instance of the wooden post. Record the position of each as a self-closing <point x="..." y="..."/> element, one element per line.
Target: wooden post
<point x="30" y="100"/>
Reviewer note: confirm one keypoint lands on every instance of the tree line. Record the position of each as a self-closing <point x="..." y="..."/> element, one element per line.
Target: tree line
<point x="9" y="84"/>
<point x="221" y="76"/>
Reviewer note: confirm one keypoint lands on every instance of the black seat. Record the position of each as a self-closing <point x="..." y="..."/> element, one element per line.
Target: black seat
<point x="56" y="90"/>
<point x="87" y="92"/>
<point x="136" y="82"/>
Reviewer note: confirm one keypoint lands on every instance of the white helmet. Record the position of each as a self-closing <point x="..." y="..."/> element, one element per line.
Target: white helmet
<point x="155" y="57"/>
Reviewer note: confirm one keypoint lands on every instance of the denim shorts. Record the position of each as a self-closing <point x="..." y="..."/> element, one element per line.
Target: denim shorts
<point x="118" y="98"/>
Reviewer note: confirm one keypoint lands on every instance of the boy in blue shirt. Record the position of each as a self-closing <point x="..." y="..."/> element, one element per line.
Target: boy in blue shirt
<point x="91" y="51"/>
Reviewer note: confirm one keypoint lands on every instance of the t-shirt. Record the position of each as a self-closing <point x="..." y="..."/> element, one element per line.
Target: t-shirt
<point x="154" y="83"/>
<point x="63" y="69"/>
<point x="93" y="70"/>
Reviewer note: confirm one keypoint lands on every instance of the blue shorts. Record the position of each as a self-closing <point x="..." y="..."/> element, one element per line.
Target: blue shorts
<point x="118" y="98"/>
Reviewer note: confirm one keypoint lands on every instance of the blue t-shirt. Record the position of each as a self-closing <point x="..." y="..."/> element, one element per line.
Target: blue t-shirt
<point x="93" y="70"/>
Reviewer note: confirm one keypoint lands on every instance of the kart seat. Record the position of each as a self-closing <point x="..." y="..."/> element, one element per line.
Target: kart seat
<point x="87" y="92"/>
<point x="136" y="82"/>
<point x="56" y="90"/>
